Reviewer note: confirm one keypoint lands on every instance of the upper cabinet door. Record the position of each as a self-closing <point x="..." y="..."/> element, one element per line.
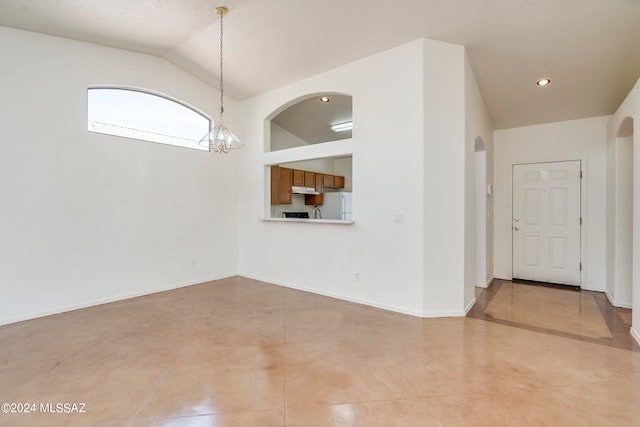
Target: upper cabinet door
<point x="329" y="181"/>
<point x="309" y="179"/>
<point x="284" y="189"/>
<point x="298" y="178"/>
<point x="281" y="185"/>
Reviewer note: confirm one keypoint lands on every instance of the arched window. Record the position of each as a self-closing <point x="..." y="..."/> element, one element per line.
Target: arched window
<point x="144" y="116"/>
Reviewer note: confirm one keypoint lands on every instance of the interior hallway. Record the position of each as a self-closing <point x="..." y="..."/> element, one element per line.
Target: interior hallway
<point x="238" y="352"/>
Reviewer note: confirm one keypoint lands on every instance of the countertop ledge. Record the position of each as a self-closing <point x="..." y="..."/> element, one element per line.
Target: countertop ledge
<point x="311" y="220"/>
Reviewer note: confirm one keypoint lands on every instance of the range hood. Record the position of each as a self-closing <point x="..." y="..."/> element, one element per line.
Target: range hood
<point x="303" y="190"/>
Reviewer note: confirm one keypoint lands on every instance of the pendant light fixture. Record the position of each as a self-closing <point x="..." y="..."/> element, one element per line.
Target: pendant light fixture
<point x="220" y="139"/>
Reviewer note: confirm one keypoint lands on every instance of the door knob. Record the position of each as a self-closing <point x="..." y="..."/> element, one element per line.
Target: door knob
<point x="516" y="219"/>
<point x="516" y="228"/>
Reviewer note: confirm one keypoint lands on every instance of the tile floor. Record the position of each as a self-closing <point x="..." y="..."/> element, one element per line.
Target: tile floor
<point x="239" y="352"/>
<point x="559" y="310"/>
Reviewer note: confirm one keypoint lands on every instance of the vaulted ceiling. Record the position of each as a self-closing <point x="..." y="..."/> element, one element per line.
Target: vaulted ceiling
<point x="589" y="48"/>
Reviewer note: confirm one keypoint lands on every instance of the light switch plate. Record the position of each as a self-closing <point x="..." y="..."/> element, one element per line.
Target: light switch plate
<point x="398" y="218"/>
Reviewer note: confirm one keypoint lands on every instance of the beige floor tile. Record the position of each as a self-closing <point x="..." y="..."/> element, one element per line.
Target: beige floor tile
<point x="241" y="419"/>
<point x="392" y="328"/>
<point x="239" y="352"/>
<point x="555" y="309"/>
<point x="340" y="372"/>
<point x="454" y="325"/>
<point x="579" y="363"/>
<point x="220" y="379"/>
<point x="454" y="370"/>
<point x="20" y="368"/>
<point x="460" y="409"/>
<point x="326" y="323"/>
<point x="297" y="300"/>
<point x="62" y="334"/>
<point x="626" y="316"/>
<point x="602" y="404"/>
<point x="256" y="327"/>
<point x="404" y="412"/>
<point x="501" y="410"/>
<point x="41" y="419"/>
<point x="6" y="330"/>
<point x="113" y="386"/>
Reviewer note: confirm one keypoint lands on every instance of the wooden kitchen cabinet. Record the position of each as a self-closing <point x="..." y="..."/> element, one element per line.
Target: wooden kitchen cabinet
<point x="329" y="181"/>
<point x="304" y="178"/>
<point x="281" y="181"/>
<point x="298" y="178"/>
<point x="309" y="179"/>
<point x="333" y="181"/>
<point x="315" y="199"/>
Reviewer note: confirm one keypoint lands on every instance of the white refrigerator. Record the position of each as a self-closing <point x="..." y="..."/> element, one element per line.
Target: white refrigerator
<point x="337" y="205"/>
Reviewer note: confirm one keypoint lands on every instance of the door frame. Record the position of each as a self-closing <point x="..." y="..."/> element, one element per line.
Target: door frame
<point x="583" y="212"/>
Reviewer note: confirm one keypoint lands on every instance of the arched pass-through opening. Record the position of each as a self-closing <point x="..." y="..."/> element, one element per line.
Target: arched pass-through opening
<point x="309" y="119"/>
<point x="309" y="158"/>
<point x="481" y="193"/>
<point x="623" y="249"/>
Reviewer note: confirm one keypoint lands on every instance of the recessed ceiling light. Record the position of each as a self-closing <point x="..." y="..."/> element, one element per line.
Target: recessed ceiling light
<point x="543" y="82"/>
<point x="325" y="99"/>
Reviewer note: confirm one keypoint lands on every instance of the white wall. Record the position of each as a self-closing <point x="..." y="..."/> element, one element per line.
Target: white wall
<point x="611" y="219"/>
<point x="344" y="167"/>
<point x="477" y="125"/>
<point x="444" y="178"/>
<point x="324" y="257"/>
<point x="621" y="295"/>
<point x="630" y="108"/>
<point x="584" y="140"/>
<point x="389" y="142"/>
<point x="281" y="139"/>
<point x="480" y="185"/>
<point x="620" y="216"/>
<point x="87" y="218"/>
<point x="90" y="218"/>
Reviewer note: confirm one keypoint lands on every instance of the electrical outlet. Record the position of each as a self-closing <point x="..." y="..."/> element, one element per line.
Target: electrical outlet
<point x="356" y="276"/>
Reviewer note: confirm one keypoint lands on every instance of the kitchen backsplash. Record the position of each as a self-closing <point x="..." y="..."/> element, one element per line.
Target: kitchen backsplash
<point x="297" y="205"/>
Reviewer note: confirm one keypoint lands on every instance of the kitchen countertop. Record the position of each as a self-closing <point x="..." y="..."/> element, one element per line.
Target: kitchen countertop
<point x="318" y="221"/>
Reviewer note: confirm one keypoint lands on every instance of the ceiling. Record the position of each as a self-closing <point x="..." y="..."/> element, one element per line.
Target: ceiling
<point x="311" y="120"/>
<point x="589" y="48"/>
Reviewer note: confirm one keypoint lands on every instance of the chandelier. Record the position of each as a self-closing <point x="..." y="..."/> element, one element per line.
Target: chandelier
<point x="220" y="139"/>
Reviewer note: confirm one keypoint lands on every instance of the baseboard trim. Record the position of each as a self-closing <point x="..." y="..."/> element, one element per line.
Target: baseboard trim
<point x="635" y="335"/>
<point x="469" y="306"/>
<point x="610" y="298"/>
<point x="484" y="285"/>
<point x="586" y="288"/>
<point x="101" y="301"/>
<point x="614" y="303"/>
<point x="439" y="314"/>
<point x="349" y="298"/>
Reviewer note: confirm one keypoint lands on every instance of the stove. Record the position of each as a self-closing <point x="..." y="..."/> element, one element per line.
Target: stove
<point x="295" y="215"/>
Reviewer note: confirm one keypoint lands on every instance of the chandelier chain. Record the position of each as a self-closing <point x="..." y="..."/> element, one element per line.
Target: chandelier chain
<point x="221" y="69"/>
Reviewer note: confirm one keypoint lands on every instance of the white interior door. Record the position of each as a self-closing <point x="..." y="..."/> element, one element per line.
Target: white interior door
<point x="546" y="222"/>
